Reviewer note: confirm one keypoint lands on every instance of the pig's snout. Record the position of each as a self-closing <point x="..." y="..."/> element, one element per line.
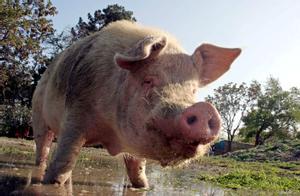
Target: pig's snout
<point x="200" y="122"/>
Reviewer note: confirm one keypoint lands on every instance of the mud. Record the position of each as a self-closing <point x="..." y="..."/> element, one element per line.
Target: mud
<point x="107" y="177"/>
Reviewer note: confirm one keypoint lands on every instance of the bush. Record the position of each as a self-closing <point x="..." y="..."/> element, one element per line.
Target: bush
<point x="16" y="121"/>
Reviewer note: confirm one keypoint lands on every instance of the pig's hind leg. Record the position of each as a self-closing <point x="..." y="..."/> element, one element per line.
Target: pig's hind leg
<point x="136" y="171"/>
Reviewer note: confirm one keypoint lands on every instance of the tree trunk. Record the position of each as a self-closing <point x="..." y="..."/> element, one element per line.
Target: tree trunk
<point x="229" y="141"/>
<point x="258" y="140"/>
<point x="229" y="149"/>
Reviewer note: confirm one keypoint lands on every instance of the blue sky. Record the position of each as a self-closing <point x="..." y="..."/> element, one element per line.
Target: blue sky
<point x="267" y="31"/>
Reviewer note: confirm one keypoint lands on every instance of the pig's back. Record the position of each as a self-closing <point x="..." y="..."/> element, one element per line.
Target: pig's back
<point x="92" y="58"/>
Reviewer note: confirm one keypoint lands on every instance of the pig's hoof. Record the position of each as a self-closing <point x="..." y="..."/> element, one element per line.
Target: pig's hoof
<point x="49" y="179"/>
<point x="137" y="188"/>
<point x="36" y="180"/>
<point x="53" y="181"/>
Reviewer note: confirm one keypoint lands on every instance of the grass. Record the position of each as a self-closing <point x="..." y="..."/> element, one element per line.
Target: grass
<point x="273" y="166"/>
<point x="15" y="151"/>
<point x="19" y="149"/>
<point x="275" y="176"/>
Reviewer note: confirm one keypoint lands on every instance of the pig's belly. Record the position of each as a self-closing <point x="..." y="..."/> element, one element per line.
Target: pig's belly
<point x="54" y="114"/>
<point x="96" y="129"/>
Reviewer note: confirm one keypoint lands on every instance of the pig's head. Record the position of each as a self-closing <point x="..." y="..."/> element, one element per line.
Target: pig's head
<point x="158" y="113"/>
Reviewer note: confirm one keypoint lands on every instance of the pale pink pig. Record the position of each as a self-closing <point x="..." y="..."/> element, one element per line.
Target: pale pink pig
<point x="131" y="89"/>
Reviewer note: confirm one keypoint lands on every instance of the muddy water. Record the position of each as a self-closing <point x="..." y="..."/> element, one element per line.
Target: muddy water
<point x="102" y="176"/>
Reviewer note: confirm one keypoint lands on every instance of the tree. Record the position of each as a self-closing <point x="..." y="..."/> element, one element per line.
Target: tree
<point x="24" y="26"/>
<point x="233" y="101"/>
<point x="16" y="121"/>
<point x="276" y="114"/>
<point x="99" y="20"/>
<point x="57" y="42"/>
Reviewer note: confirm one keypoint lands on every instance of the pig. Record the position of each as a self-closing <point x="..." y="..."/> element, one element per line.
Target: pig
<point x="132" y="89"/>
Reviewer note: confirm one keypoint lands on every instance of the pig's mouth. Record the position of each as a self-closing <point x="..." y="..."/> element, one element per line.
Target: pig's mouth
<point x="184" y="151"/>
<point x="177" y="150"/>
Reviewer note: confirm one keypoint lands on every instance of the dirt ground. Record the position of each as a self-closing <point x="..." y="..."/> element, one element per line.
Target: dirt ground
<point x="98" y="173"/>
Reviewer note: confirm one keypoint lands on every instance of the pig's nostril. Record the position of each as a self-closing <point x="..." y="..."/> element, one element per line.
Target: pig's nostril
<point x="191" y="120"/>
<point x="212" y="124"/>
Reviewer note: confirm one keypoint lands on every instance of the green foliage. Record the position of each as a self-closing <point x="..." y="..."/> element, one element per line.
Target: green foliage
<point x="275" y="116"/>
<point x="233" y="101"/>
<point x="99" y="20"/>
<point x="57" y="42"/>
<point x="16" y="85"/>
<point x="15" y="121"/>
<point x="24" y="26"/>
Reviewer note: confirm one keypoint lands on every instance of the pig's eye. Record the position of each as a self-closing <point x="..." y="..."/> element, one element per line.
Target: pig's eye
<point x="148" y="83"/>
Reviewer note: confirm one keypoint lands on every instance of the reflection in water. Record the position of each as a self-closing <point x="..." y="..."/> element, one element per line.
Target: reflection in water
<point x="105" y="177"/>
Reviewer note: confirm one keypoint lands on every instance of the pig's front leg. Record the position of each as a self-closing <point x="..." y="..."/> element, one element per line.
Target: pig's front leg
<point x="68" y="147"/>
<point x="136" y="170"/>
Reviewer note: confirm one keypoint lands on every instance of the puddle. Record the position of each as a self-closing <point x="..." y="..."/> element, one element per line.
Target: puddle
<point x="106" y="176"/>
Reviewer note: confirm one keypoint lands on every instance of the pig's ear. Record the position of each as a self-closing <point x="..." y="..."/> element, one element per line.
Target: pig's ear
<point x="146" y="48"/>
<point x="213" y="61"/>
